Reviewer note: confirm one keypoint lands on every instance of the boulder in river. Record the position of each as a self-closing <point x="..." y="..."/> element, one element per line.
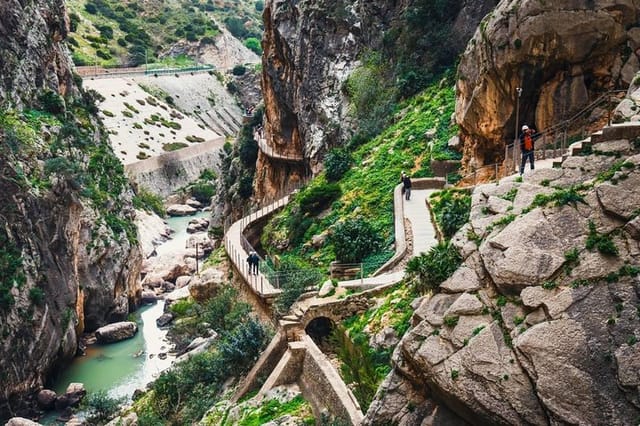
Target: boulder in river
<point x="20" y="421"/>
<point x="164" y="319"/>
<point x="200" y="224"/>
<point x="181" y="210"/>
<point x="116" y="332"/>
<point x="46" y="399"/>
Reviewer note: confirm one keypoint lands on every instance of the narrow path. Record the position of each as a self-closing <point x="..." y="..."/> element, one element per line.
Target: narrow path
<point x="417" y="212"/>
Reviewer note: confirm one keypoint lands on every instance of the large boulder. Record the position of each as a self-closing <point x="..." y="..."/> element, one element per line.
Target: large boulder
<point x="116" y="332"/>
<point x="20" y="421"/>
<point x="207" y="285"/>
<point x="46" y="399"/>
<point x="181" y="210"/>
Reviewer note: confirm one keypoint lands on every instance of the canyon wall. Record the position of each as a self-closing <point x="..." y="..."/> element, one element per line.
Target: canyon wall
<point x="68" y="249"/>
<point x="310" y="49"/>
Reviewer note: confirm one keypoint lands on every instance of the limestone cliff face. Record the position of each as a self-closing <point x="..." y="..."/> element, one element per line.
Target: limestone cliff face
<point x="562" y="54"/>
<point x="540" y="323"/>
<point x="310" y="49"/>
<point x="70" y="259"/>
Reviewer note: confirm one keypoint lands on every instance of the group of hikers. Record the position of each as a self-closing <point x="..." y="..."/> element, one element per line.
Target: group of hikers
<point x="254" y="262"/>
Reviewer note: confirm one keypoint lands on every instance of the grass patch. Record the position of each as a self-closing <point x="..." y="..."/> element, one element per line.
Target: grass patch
<point x="174" y="146"/>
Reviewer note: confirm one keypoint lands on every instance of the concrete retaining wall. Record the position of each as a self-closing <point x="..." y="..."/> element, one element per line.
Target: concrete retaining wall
<point x="165" y="173"/>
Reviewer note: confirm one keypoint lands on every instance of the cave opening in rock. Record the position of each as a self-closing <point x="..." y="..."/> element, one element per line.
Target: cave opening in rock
<point x="319" y="329"/>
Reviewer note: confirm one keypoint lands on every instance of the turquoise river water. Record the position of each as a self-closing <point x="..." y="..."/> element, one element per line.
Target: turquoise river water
<point x="121" y="368"/>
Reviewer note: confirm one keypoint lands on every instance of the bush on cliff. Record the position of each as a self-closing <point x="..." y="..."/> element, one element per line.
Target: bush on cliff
<point x="427" y="271"/>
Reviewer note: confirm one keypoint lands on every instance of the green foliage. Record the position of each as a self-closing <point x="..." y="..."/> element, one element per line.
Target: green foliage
<point x="52" y="102"/>
<point x="203" y="191"/>
<point x="182" y="307"/>
<point x="354" y="239"/>
<point x="148" y="201"/>
<point x="359" y="365"/>
<point x="274" y="409"/>
<point x="510" y="195"/>
<point x="316" y="198"/>
<point x="427" y="271"/>
<point x="549" y="285"/>
<point x="451" y="321"/>
<point x="336" y="163"/>
<point x="12" y="272"/>
<point x="239" y="70"/>
<point x="225" y="311"/>
<point x="294" y="278"/>
<point x="602" y="242"/>
<point x="100" y="407"/>
<point x="451" y="208"/>
<point x="560" y="197"/>
<point x="454" y="374"/>
<point x="183" y="394"/>
<point x="37" y="296"/>
<point x="174" y="146"/>
<point x="254" y="45"/>
<point x="367" y="190"/>
<point x="372" y="99"/>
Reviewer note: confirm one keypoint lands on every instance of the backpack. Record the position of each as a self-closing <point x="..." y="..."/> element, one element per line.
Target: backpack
<point x="528" y="142"/>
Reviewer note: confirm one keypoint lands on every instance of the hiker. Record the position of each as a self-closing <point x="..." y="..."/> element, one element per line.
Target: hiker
<point x="253" y="260"/>
<point x="406" y="186"/>
<point x="527" y="147"/>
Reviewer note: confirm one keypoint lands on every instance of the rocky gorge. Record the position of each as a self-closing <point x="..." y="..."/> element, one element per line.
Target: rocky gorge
<point x="70" y="258"/>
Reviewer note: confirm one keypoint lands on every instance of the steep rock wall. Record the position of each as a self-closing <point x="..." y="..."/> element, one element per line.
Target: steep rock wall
<point x="70" y="259"/>
<point x="310" y="49"/>
<point x="562" y="54"/>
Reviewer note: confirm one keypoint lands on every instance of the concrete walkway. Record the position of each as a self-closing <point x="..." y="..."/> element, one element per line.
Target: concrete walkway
<point x="417" y="212"/>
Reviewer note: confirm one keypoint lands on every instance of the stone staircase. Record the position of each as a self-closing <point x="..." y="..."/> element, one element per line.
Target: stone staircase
<point x="623" y="131"/>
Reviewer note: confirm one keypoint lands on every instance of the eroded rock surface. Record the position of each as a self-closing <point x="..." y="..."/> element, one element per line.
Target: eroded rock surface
<point x="540" y="324"/>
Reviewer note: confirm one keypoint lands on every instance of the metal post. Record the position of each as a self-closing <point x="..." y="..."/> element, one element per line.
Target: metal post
<point x="515" y="136"/>
<point x="197" y="272"/>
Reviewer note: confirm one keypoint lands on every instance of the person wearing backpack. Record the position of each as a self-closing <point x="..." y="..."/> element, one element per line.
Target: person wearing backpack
<point x="527" y="147"/>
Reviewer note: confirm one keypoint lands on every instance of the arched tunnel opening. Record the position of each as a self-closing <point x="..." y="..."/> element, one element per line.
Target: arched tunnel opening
<point x="320" y="329"/>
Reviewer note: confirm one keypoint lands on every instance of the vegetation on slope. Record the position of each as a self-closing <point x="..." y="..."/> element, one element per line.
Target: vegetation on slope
<point x="364" y="193"/>
<point x="184" y="393"/>
<point x="112" y="33"/>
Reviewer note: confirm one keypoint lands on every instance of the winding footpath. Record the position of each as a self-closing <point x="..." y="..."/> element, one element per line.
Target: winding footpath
<point x="292" y="356"/>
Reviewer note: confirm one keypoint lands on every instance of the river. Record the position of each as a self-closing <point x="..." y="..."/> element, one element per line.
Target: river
<point x="121" y="368"/>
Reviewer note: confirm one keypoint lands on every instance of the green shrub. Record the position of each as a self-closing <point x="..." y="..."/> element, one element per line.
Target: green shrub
<point x="427" y="271"/>
<point x="602" y="242"/>
<point x="358" y="368"/>
<point x="354" y="239"/>
<point x="317" y="198"/>
<point x="100" y="407"/>
<point x="253" y="44"/>
<point x="203" y="191"/>
<point x="451" y="208"/>
<point x="174" y="146"/>
<point x="239" y="70"/>
<point x="52" y="102"/>
<point x="36" y="295"/>
<point x="146" y="200"/>
<point x="336" y="163"/>
<point x="293" y="278"/>
<point x="12" y="272"/>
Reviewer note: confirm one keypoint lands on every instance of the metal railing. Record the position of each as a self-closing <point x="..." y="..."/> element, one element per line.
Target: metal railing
<point x="270" y="152"/>
<point x="554" y="138"/>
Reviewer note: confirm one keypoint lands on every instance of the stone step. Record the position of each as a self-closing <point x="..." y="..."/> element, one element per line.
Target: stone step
<point x="290" y="318"/>
<point x="627" y="131"/>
